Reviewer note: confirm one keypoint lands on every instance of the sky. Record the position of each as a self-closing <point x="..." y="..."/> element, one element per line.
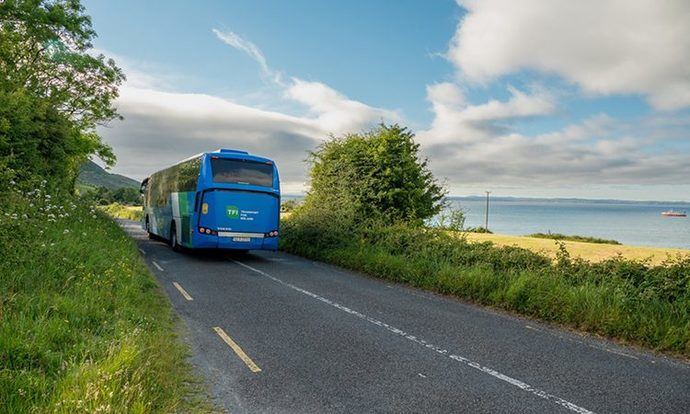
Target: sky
<point x="556" y="98"/>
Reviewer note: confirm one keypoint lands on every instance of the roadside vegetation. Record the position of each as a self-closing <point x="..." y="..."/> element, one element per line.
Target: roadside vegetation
<point x="378" y="227"/>
<point x="584" y="239"/>
<point x="117" y="210"/>
<point x="103" y="196"/>
<point x="83" y="325"/>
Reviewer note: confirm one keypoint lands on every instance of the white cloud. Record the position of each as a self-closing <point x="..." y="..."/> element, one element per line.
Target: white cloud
<point x="173" y="125"/>
<point x="475" y="144"/>
<point x="605" y="47"/>
<point x="161" y="128"/>
<point x="334" y="111"/>
<point x="471" y="144"/>
<point x="236" y="41"/>
<point x="457" y="121"/>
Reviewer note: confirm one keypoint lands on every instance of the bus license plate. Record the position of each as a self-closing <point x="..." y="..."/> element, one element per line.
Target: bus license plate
<point x="241" y="239"/>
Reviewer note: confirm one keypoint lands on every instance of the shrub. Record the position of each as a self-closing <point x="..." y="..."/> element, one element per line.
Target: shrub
<point x="377" y="175"/>
<point x="586" y="239"/>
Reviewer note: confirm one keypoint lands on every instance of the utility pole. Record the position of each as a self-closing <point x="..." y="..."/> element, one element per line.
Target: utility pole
<point x="486" y="216"/>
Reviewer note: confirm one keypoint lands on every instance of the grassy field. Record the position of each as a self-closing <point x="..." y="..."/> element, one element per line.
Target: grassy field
<point x="84" y="327"/>
<point x="595" y="252"/>
<point x="124" y="212"/>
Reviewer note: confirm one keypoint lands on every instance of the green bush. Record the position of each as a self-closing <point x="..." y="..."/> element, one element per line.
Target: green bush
<point x="479" y="229"/>
<point x="375" y="175"/>
<point x="586" y="239"/>
<point x="104" y="196"/>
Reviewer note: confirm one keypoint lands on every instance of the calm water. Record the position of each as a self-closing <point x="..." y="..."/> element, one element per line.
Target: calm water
<point x="630" y="223"/>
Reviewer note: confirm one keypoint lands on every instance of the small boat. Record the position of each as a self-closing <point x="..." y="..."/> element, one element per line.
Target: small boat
<point x="672" y="213"/>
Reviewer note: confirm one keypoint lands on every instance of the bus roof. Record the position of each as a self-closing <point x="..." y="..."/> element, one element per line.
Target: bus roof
<point x="233" y="153"/>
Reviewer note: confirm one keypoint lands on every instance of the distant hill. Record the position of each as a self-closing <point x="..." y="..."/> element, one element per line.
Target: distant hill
<point x="93" y="175"/>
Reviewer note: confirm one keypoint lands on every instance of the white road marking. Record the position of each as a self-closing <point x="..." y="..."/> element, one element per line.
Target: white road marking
<point x="512" y="381"/>
<point x="182" y="291"/>
<point x="421" y="375"/>
<point x="142" y="251"/>
<point x="593" y="346"/>
<point x="157" y="266"/>
<point x="614" y="351"/>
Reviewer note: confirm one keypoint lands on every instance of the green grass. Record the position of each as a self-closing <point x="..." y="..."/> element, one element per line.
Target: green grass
<point x="631" y="300"/>
<point x="117" y="210"/>
<point x="84" y="327"/>
<point x="584" y="239"/>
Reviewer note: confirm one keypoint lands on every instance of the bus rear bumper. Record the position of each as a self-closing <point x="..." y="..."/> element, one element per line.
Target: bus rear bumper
<point x="227" y="243"/>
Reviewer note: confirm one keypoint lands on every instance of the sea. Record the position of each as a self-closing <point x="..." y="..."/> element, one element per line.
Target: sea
<point x="629" y="222"/>
<point x="637" y="223"/>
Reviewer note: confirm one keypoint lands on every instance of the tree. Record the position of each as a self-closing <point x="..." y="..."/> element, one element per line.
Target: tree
<point x="378" y="174"/>
<point x="61" y="90"/>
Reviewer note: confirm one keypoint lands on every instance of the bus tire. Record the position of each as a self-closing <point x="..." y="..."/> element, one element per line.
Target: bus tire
<point x="173" y="238"/>
<point x="148" y="229"/>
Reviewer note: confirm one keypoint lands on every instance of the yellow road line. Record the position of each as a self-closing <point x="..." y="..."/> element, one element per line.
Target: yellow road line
<point x="182" y="291"/>
<point x="240" y="353"/>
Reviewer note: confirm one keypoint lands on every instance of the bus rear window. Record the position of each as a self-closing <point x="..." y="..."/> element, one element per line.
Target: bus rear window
<point x="227" y="170"/>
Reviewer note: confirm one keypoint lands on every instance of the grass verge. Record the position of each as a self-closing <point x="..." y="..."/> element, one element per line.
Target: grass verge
<point x="84" y="327"/>
<point x="625" y="299"/>
<point x="122" y="211"/>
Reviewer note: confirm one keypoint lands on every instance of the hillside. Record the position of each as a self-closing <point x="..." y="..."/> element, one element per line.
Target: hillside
<point x="92" y="175"/>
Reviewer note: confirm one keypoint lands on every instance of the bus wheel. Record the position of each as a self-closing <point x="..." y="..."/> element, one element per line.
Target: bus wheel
<point x="173" y="239"/>
<point x="148" y="229"/>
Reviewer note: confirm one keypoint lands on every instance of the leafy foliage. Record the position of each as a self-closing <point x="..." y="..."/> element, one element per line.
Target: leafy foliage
<point x="103" y="196"/>
<point x="375" y="175"/>
<point x="585" y="239"/>
<point x="453" y="219"/>
<point x="53" y="92"/>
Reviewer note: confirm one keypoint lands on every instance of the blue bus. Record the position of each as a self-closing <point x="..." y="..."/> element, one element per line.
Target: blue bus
<point x="225" y="199"/>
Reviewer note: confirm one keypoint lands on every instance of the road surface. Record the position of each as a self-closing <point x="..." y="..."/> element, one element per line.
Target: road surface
<point x="275" y="333"/>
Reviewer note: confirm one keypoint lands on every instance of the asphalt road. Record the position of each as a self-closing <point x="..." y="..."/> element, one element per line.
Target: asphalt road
<point x="272" y="332"/>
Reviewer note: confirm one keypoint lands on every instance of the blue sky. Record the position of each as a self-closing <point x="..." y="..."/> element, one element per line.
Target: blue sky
<point x="379" y="52"/>
<point x="534" y="100"/>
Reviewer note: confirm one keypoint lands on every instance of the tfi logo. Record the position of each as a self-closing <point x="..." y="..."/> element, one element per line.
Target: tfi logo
<point x="232" y="212"/>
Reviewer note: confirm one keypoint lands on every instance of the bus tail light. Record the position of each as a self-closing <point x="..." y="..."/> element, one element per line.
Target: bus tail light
<point x="206" y="230"/>
<point x="273" y="233"/>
